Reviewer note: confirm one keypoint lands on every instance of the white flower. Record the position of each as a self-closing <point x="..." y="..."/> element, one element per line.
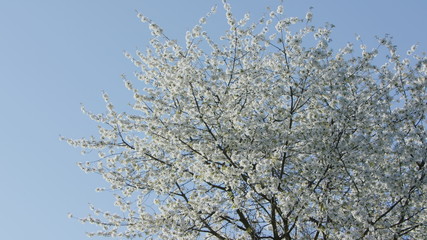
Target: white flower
<point x="142" y="18"/>
<point x="272" y="14"/>
<point x="357" y="37"/>
<point x="309" y="16"/>
<point x="155" y="29"/>
<point x="279" y="9"/>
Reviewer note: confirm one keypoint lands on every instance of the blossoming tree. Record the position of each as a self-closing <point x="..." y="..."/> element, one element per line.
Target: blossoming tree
<point x="266" y="134"/>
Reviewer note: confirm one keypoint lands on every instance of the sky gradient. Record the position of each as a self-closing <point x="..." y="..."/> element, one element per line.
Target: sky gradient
<point x="55" y="55"/>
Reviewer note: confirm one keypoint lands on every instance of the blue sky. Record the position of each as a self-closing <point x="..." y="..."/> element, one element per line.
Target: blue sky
<point x="57" y="54"/>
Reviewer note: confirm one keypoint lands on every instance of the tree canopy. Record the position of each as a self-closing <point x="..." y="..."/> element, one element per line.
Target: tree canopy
<point x="267" y="133"/>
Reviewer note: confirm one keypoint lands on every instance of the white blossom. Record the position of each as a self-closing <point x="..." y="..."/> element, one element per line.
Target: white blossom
<point x="155" y="29"/>
<point x="279" y="9"/>
<point x="309" y="16"/>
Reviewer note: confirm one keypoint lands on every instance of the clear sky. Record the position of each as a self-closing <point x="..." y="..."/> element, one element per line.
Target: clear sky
<point x="56" y="54"/>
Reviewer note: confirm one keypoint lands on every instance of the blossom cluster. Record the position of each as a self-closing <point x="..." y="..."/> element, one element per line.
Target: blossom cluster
<point x="263" y="135"/>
